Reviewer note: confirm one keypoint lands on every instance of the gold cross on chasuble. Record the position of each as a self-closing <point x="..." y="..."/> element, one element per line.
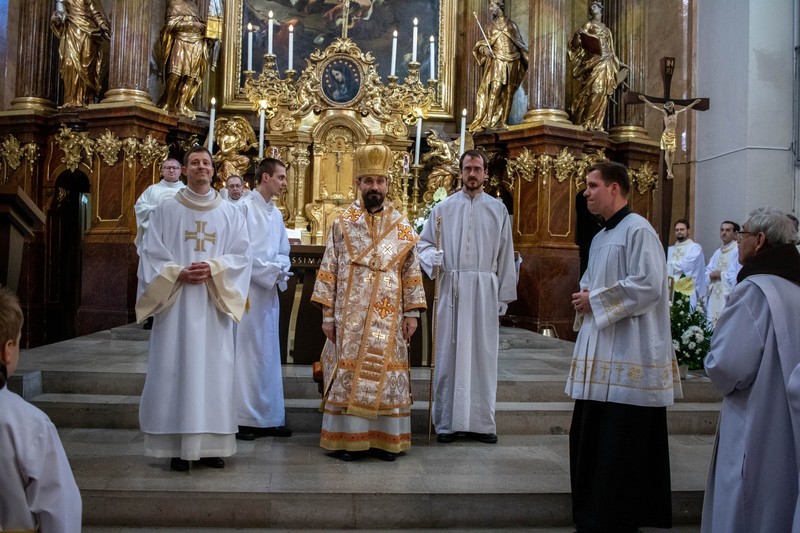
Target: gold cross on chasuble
<point x="200" y="236"/>
<point x="679" y="252"/>
<point x="385" y="308"/>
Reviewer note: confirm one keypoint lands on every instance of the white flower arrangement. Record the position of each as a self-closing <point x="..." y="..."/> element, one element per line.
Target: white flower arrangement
<point x="439" y="195"/>
<point x="691" y="335"/>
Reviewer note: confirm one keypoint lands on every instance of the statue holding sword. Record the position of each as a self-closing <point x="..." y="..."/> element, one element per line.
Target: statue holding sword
<point x="503" y="55"/>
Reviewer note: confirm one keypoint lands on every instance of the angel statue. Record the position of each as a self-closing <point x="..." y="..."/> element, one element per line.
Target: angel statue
<point x="443" y="160"/>
<point x="233" y="136"/>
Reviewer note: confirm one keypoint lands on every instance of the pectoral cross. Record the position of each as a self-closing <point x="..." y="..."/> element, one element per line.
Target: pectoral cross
<point x="632" y="98"/>
<point x="200" y="236"/>
<point x="345" y="17"/>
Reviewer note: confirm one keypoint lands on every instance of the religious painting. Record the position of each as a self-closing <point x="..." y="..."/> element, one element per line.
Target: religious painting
<point x="315" y="24"/>
<point x="341" y="80"/>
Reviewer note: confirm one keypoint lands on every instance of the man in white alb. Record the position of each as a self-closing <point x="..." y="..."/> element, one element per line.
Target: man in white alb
<point x="155" y="194"/>
<point x="259" y="382"/>
<point x="478" y="281"/>
<point x="721" y="271"/>
<point x="685" y="260"/>
<point x="194" y="273"/>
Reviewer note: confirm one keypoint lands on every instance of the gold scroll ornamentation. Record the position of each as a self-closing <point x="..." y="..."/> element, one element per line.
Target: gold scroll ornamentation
<point x="150" y="151"/>
<point x="11" y="152"/>
<point x="31" y="153"/>
<point x="564" y="165"/>
<point x="131" y="147"/>
<point x="522" y="167"/>
<point x="73" y="144"/>
<point x="108" y="146"/>
<point x="645" y="178"/>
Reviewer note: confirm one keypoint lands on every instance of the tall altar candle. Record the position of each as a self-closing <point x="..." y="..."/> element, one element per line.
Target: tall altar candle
<point x="261" y="116"/>
<point x="291" y="46"/>
<point x="269" y="34"/>
<point x="249" y="46"/>
<point x="394" y="52"/>
<point x="419" y="138"/>
<point x="463" y="132"/>
<point x="211" y="120"/>
<point x="433" y="62"/>
<point x="414" y="43"/>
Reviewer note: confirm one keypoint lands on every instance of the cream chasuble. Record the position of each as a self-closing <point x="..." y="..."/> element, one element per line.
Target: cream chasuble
<point x="187" y="407"/>
<point x="726" y="260"/>
<point x="685" y="259"/>
<point x="370" y="277"/>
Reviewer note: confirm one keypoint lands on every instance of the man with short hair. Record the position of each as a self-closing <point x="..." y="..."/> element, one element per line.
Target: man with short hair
<point x="478" y="281"/>
<point x="194" y="273"/>
<point x="155" y="194"/>
<point x="721" y="271"/>
<point x="624" y="373"/>
<point x="753" y="478"/>
<point x="685" y="261"/>
<point x="259" y="381"/>
<point x="234" y="189"/>
<point x="370" y="289"/>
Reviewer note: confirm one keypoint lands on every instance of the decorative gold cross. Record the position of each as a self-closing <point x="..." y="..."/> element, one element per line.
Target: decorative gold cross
<point x="379" y="335"/>
<point x="200" y="236"/>
<point x="385" y="308"/>
<point x="404" y="233"/>
<point x="352" y="214"/>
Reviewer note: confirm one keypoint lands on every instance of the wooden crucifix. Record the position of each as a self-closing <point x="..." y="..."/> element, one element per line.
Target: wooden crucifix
<point x="668" y="136"/>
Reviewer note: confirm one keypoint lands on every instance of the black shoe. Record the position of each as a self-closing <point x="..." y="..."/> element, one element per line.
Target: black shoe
<point x="245" y="435"/>
<point x="179" y="465"/>
<point x="212" y="462"/>
<point x="445" y="438"/>
<point x="278" y="431"/>
<point x="343" y="455"/>
<point x="488" y="438"/>
<point x="383" y="455"/>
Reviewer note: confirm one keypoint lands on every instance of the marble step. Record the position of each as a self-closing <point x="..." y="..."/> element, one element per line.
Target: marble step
<point x="522" y="482"/>
<point x="302" y="415"/>
<point x="297" y="383"/>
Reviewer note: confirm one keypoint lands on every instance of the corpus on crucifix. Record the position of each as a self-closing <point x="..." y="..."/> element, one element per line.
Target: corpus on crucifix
<point x="668" y="137"/>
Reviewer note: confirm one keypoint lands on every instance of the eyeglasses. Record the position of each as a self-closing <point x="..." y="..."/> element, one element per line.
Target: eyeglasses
<point x="739" y="235"/>
<point x="170" y="168"/>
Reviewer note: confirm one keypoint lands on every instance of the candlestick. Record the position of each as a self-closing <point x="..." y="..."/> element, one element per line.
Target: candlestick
<point x="394" y="52"/>
<point x="463" y="132"/>
<point x="433" y="55"/>
<point x="414" y="43"/>
<point x="269" y="34"/>
<point x="291" y="46"/>
<point x="419" y="138"/>
<point x="249" y="46"/>
<point x="261" y="116"/>
<point x="212" y="118"/>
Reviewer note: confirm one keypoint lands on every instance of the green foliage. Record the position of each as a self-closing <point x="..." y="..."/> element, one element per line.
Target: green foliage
<point x="691" y="336"/>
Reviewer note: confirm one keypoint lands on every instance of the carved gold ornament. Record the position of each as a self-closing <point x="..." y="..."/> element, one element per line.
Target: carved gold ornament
<point x="73" y="144"/>
<point x="11" y="152"/>
<point x="131" y="147"/>
<point x="31" y="153"/>
<point x="645" y="178"/>
<point x="522" y="167"/>
<point x="151" y="152"/>
<point x="108" y="146"/>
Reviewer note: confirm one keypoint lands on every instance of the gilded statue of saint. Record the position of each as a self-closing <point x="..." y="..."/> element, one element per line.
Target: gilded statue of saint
<point x="597" y="67"/>
<point x="183" y="56"/>
<point x="233" y="137"/>
<point x="503" y="55"/>
<point x="81" y="26"/>
<point x="668" y="138"/>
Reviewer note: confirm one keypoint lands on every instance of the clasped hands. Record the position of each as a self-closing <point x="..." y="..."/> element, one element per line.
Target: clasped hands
<point x="580" y="301"/>
<point x="195" y="274"/>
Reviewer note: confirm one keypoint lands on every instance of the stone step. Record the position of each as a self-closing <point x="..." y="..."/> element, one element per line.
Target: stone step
<point x="297" y="383"/>
<point x="521" y="482"/>
<point x="302" y="415"/>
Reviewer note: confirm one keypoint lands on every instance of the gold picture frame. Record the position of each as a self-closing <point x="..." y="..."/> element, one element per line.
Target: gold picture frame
<point x="235" y="54"/>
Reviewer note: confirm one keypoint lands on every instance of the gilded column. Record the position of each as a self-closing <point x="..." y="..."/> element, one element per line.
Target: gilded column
<point x="627" y="21"/>
<point x="130" y="52"/>
<point x="548" y="23"/>
<point x="299" y="154"/>
<point x="37" y="64"/>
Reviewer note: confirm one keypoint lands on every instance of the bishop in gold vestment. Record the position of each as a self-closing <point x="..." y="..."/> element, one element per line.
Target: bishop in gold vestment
<point x="370" y="288"/>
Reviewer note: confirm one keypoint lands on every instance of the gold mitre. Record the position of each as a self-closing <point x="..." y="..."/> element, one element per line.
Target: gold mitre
<point x="373" y="160"/>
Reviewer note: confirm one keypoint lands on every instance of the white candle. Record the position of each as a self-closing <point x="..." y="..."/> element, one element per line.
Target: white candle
<point x="419" y="138"/>
<point x="291" y="46"/>
<point x="414" y="43"/>
<point x="269" y="36"/>
<point x="433" y="55"/>
<point x="394" y="52"/>
<point x="261" y="116"/>
<point x="463" y="132"/>
<point x="211" y="126"/>
<point x="249" y="46"/>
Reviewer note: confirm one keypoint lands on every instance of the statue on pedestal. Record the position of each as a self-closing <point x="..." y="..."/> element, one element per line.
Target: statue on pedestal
<point x="80" y="26"/>
<point x="182" y="55"/>
<point x="503" y="55"/>
<point x="597" y="67"/>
